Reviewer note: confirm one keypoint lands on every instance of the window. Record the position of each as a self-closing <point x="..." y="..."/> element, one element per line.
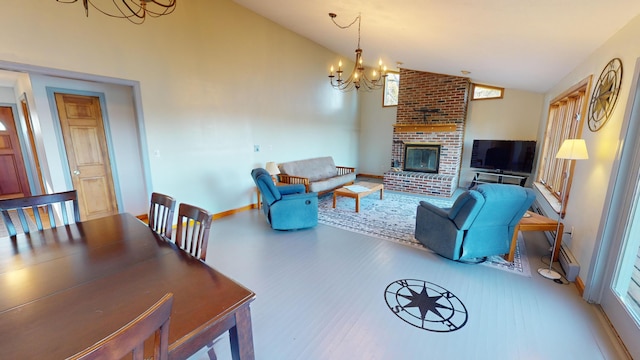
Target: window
<point x="391" y="89"/>
<point x="564" y="121"/>
<point x="2" y="127"/>
<point x="484" y="92"/>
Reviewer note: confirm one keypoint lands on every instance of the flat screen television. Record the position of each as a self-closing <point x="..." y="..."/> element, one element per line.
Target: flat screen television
<point x="503" y="155"/>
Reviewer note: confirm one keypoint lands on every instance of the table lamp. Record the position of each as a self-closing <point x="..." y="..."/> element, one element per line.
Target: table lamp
<point x="272" y="169"/>
<point x="571" y="149"/>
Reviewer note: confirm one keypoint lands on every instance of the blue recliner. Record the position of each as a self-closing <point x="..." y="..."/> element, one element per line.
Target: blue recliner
<point x="286" y="207"/>
<point x="479" y="224"/>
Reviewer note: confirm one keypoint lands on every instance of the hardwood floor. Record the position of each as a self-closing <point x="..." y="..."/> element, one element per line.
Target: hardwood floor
<point x="321" y="295"/>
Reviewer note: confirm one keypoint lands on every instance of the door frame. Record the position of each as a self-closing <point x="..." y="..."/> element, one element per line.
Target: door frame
<point x="107" y="132"/>
<point x="29" y="69"/>
<point x="620" y="198"/>
<point x="36" y="157"/>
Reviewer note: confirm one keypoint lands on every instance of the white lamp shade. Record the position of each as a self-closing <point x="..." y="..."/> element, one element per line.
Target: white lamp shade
<point x="573" y="149"/>
<point x="272" y="168"/>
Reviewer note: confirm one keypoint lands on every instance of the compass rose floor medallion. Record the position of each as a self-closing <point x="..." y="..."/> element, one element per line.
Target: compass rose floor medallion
<point x="426" y="305"/>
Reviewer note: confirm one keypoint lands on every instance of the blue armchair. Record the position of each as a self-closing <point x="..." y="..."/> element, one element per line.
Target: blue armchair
<point x="479" y="224"/>
<point x="286" y="207"/>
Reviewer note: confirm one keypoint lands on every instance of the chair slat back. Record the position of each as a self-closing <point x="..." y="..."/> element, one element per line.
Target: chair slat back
<point x="161" y="214"/>
<point x="36" y="204"/>
<point x="130" y="338"/>
<point x="192" y="234"/>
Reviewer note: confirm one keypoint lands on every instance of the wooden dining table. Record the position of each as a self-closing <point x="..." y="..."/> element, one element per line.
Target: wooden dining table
<point x="64" y="289"/>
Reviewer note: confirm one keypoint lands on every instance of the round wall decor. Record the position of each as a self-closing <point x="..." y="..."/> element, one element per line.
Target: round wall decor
<point x="605" y="94"/>
<point x="425" y="305"/>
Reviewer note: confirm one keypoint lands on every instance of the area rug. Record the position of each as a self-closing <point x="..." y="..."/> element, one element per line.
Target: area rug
<point x="394" y="219"/>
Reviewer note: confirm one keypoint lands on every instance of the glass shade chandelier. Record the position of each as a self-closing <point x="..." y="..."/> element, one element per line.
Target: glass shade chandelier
<point x="358" y="78"/>
<point x="135" y="11"/>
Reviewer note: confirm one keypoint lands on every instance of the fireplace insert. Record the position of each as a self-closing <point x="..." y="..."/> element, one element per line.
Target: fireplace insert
<point x="421" y="157"/>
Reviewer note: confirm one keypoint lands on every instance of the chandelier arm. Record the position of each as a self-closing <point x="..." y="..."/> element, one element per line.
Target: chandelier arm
<point x="358" y="78"/>
<point x="123" y="16"/>
<point x="133" y="10"/>
<point x="171" y="3"/>
<point x="137" y="13"/>
<point x="165" y="11"/>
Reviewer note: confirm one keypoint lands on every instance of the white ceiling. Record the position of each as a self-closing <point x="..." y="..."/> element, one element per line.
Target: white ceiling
<point x="521" y="44"/>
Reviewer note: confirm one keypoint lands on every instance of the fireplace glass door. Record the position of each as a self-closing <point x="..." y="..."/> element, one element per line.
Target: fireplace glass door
<point x="422" y="158"/>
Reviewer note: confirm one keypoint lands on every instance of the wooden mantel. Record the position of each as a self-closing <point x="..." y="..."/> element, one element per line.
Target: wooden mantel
<point x="424" y="127"/>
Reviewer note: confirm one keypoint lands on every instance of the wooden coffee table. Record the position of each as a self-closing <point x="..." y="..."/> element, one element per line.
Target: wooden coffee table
<point x="536" y="222"/>
<point x="344" y="191"/>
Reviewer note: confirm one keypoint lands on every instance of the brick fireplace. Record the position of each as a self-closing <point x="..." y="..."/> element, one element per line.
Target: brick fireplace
<point x="420" y="93"/>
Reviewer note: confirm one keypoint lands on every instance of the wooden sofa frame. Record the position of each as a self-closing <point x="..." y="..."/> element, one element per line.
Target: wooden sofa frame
<point x="292" y="179"/>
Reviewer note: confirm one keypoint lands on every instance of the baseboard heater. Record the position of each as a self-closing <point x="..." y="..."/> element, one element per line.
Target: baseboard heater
<point x="569" y="264"/>
<point x="567" y="261"/>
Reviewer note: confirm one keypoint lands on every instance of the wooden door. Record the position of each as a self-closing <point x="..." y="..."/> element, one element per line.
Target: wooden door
<point x="13" y="176"/>
<point x="87" y="154"/>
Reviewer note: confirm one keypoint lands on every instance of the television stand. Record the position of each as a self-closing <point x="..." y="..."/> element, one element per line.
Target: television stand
<point x="492" y="177"/>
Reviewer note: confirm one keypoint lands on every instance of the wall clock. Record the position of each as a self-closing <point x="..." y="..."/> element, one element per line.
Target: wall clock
<point x="605" y="94"/>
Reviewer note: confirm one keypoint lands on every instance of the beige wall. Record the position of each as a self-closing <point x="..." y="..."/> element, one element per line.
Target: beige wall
<point x="586" y="209"/>
<point x="215" y="80"/>
<point x="514" y="117"/>
<point x="376" y="133"/>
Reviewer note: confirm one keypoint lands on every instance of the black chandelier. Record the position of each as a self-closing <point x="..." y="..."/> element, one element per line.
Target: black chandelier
<point x="135" y="11"/>
<point x="358" y="78"/>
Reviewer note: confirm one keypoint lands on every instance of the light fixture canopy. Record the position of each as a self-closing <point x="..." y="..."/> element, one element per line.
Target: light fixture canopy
<point x="135" y="11"/>
<point x="358" y="78"/>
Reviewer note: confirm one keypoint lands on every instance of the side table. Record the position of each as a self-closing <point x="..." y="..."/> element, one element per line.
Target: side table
<point x="536" y="222"/>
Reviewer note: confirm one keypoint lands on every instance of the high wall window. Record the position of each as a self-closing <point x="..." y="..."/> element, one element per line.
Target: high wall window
<point x="485" y="92"/>
<point x="564" y="121"/>
<point x="391" y="88"/>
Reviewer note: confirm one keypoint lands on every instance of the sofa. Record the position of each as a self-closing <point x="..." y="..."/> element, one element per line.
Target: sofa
<point x="480" y="223"/>
<point x="320" y="175"/>
<point x="287" y="207"/>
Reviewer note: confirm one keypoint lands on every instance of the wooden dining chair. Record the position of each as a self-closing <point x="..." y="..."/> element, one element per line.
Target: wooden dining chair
<point x="192" y="234"/>
<point x="37" y="206"/>
<point x="130" y="338"/>
<point x="161" y="214"/>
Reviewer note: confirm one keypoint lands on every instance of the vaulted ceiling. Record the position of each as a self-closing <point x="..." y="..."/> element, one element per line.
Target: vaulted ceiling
<point x="522" y="44"/>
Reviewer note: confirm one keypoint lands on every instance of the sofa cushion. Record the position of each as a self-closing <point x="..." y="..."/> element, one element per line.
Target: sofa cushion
<point x="313" y="169"/>
<point x="332" y="183"/>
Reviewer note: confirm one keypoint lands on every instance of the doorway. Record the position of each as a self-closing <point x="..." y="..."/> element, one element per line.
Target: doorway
<point x="14" y="182"/>
<point x="85" y="144"/>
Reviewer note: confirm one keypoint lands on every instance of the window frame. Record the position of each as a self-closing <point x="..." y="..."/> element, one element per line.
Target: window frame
<point x="388" y="90"/>
<point x="565" y="120"/>
<point x="473" y="92"/>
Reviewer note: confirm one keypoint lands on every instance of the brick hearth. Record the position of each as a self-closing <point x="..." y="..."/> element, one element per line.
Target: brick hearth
<point x="433" y="91"/>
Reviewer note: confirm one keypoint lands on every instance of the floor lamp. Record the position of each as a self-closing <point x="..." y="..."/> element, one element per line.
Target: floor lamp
<point x="571" y="149"/>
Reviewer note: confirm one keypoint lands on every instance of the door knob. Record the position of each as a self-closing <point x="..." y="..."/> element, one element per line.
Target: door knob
<point x="76" y="172"/>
